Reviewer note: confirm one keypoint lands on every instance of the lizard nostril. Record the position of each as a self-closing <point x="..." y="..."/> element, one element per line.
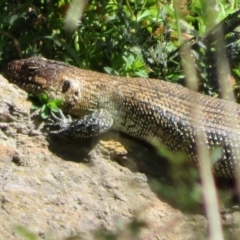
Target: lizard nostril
<point x="32" y="70"/>
<point x="66" y="86"/>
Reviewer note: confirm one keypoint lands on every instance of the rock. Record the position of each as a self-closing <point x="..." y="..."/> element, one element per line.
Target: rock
<point x="59" y="188"/>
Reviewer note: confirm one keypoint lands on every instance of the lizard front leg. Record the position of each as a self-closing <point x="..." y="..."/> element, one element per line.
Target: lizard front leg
<point x="91" y="125"/>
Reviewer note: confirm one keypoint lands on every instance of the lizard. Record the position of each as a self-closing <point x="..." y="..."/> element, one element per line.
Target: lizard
<point x="144" y="108"/>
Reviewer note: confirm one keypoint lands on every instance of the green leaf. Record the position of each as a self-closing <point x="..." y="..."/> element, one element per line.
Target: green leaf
<point x="111" y="71"/>
<point x="45" y="114"/>
<point x="43" y="108"/>
<point x="53" y="108"/>
<point x="143" y="15"/>
<point x="142" y="74"/>
<point x="55" y="103"/>
<point x="126" y="60"/>
<point x="43" y="98"/>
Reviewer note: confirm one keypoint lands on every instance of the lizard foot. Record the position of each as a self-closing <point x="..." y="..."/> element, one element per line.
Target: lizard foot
<point x="91" y="125"/>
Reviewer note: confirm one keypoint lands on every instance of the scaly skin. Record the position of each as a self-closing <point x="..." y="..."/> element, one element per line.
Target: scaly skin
<point x="143" y="108"/>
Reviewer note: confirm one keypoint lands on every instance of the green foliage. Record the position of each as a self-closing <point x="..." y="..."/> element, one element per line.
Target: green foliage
<point x="46" y="105"/>
<point x="130" y="38"/>
<point x="237" y="70"/>
<point x="133" y="66"/>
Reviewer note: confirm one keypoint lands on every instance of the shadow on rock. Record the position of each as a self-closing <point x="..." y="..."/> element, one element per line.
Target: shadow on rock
<point x="178" y="185"/>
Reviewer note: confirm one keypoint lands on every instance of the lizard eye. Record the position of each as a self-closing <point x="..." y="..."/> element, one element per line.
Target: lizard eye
<point x="65" y="86"/>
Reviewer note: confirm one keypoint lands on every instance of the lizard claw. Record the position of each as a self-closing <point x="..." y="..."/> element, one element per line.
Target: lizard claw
<point x="90" y="125"/>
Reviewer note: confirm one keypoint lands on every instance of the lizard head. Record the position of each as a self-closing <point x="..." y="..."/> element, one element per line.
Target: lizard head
<point x="35" y="75"/>
<point x="58" y="80"/>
